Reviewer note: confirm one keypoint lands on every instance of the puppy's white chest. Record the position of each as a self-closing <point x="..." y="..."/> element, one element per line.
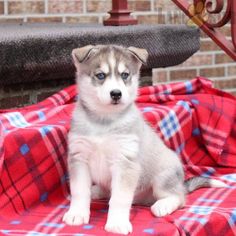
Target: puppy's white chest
<point x="99" y="165"/>
<point x="107" y="152"/>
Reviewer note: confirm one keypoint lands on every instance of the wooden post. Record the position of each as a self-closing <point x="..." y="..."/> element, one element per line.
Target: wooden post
<point x="120" y="15"/>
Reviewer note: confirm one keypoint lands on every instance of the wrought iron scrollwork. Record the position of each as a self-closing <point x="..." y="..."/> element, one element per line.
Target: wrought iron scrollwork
<point x="200" y="12"/>
<point x="208" y="6"/>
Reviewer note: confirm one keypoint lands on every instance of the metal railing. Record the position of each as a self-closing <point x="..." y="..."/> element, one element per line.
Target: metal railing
<point x="199" y="11"/>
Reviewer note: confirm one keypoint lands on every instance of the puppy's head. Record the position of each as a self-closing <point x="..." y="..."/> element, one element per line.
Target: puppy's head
<point x="107" y="76"/>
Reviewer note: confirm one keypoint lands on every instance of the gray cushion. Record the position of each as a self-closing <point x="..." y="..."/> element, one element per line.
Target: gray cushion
<point x="32" y="52"/>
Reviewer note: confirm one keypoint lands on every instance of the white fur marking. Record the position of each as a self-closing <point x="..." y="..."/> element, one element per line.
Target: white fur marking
<point x="165" y="206"/>
<point x="104" y="67"/>
<point x="112" y="62"/>
<point x="218" y="184"/>
<point x="121" y="67"/>
<point x="118" y="223"/>
<point x="77" y="215"/>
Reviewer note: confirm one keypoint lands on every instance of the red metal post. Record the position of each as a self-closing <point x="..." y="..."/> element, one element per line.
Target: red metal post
<point x="120" y="15"/>
<point x="233" y="23"/>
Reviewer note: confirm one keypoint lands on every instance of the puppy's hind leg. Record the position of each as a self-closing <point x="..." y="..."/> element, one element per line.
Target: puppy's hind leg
<point x="168" y="188"/>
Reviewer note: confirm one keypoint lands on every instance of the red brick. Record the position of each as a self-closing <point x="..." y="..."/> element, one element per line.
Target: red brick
<point x="197" y="60"/>
<point x="82" y="19"/>
<point x="176" y="17"/>
<point x="226" y="30"/>
<point x="223" y="58"/>
<point x="209" y="46"/>
<point x="159" y="76"/>
<point x="213" y="72"/>
<point x="72" y="6"/>
<point x="12" y="20"/>
<point x="167" y="5"/>
<point x="134" y="5"/>
<point x="22" y="7"/>
<point x="183" y="74"/>
<point x="151" y="19"/>
<point x="1" y="7"/>
<point x="232" y="70"/>
<point x="98" y="6"/>
<point x="225" y="83"/>
<point x="44" y="19"/>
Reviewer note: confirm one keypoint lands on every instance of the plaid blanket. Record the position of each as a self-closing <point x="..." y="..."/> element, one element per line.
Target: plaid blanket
<point x="192" y="118"/>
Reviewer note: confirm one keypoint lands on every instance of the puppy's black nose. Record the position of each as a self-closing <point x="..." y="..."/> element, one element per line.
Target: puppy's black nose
<point x="115" y="94"/>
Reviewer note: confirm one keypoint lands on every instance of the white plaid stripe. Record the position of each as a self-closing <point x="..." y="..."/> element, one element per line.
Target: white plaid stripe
<point x="59" y="98"/>
<point x="213" y="135"/>
<point x="61" y="149"/>
<point x="49" y="218"/>
<point x="16" y="119"/>
<point x="169" y="125"/>
<point x="192" y="225"/>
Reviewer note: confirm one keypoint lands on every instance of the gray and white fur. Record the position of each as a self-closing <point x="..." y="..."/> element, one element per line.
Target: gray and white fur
<point x="113" y="152"/>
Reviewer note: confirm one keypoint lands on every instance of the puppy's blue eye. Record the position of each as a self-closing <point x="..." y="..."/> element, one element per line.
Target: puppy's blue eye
<point x="101" y="76"/>
<point x="124" y="75"/>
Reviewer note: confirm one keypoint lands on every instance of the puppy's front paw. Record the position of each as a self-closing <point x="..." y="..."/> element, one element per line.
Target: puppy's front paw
<point x="120" y="226"/>
<point x="76" y="217"/>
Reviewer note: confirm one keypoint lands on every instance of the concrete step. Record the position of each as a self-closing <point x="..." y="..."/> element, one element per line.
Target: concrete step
<point x="37" y="52"/>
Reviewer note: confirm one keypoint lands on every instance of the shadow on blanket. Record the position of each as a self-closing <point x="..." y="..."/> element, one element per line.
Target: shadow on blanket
<point x="195" y="120"/>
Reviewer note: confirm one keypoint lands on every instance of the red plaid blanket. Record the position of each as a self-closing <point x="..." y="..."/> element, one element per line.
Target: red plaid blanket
<point x="195" y="120"/>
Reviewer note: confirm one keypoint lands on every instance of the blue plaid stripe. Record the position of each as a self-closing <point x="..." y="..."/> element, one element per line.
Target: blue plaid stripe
<point x="230" y="177"/>
<point x="232" y="219"/>
<point x="15" y="222"/>
<point x="149" y="231"/>
<point x="180" y="148"/>
<point x="41" y="115"/>
<point x="196" y="132"/>
<point x="45" y="129"/>
<point x="195" y="101"/>
<point x="24" y="149"/>
<point x="169" y="125"/>
<point x="201" y="210"/>
<point x="200" y="220"/>
<point x="53" y="225"/>
<point x="35" y="233"/>
<point x="185" y="105"/>
<point x="147" y="109"/>
<point x="166" y="92"/>
<point x="209" y="172"/>
<point x="202" y="199"/>
<point x="188" y="86"/>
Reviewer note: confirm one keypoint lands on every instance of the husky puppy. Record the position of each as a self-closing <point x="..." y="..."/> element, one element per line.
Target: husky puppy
<point x="112" y="147"/>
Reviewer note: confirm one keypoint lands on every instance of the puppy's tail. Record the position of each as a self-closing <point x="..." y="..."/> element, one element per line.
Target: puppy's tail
<point x="202" y="182"/>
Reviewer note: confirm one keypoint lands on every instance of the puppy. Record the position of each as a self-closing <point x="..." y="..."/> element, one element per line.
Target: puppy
<point x="112" y="147"/>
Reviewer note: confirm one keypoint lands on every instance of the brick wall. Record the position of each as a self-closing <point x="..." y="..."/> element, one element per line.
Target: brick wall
<point x="210" y="61"/>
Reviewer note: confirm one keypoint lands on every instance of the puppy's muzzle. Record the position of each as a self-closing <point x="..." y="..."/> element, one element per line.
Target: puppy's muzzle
<point x="115" y="95"/>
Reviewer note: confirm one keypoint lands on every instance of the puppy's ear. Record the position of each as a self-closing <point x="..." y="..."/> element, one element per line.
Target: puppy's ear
<point x="139" y="53"/>
<point x="82" y="54"/>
